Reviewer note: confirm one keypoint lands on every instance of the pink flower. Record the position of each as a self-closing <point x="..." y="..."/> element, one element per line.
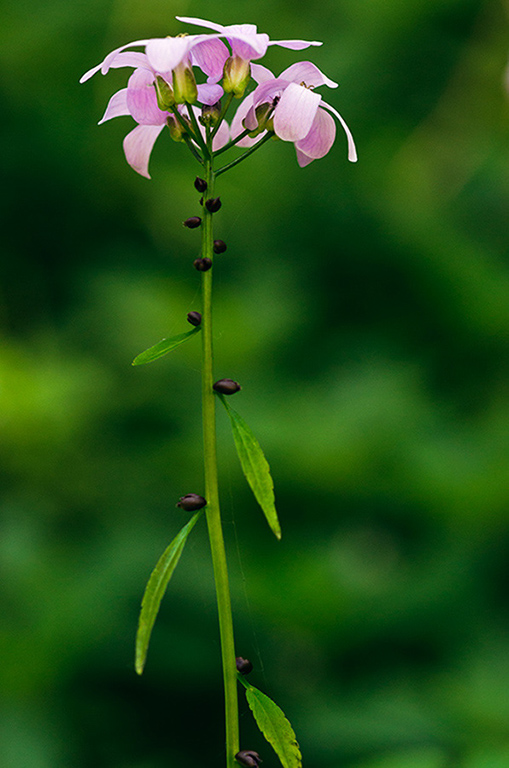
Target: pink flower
<point x="298" y="113"/>
<point x="245" y="40"/>
<point x="165" y="54"/>
<point x="139" y="100"/>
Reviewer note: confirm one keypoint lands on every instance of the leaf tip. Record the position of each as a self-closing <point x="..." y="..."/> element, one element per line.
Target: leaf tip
<point x="139" y="666"/>
<point x="276" y="530"/>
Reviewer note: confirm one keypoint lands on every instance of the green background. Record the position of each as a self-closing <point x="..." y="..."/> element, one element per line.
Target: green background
<point x="364" y="309"/>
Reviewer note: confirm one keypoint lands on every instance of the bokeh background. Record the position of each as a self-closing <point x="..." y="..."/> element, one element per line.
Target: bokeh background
<point x="365" y="310"/>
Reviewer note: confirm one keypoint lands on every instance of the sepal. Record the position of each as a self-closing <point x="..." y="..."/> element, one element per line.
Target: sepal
<point x="237" y="74"/>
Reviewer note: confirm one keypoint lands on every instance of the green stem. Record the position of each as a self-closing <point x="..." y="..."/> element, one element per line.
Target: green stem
<point x="193" y="149"/>
<point x="196" y="128"/>
<point x="232" y="143"/>
<point x="266" y="138"/>
<point x="224" y="110"/>
<point x="212" y="495"/>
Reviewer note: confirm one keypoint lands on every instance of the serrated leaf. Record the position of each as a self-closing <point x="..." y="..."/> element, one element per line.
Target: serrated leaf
<point x="155" y="589"/>
<point x="276" y="728"/>
<point x="255" y="467"/>
<point x="163" y="347"/>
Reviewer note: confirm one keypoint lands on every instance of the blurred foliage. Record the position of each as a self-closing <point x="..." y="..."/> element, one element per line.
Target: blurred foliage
<point x="364" y="308"/>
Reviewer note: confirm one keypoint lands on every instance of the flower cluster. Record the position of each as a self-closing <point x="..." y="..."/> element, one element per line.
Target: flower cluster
<point x="163" y="91"/>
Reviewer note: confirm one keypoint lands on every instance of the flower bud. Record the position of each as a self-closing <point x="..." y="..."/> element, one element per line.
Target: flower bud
<point x="164" y="94"/>
<point x="200" y="184"/>
<point x="237" y="74"/>
<point x="219" y="246"/>
<point x="244" y="666"/>
<point x="194" y="318"/>
<point x="177" y="130"/>
<point x="202" y="265"/>
<point x="263" y="114"/>
<point x="210" y="114"/>
<point x="226" y="386"/>
<point x="184" y="84"/>
<point x="191" y="502"/>
<point x="248" y="758"/>
<point x="192" y="222"/>
<point x="213" y="204"/>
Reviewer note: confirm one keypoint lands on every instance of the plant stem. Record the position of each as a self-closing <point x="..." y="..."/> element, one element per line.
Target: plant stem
<point x="232" y="143"/>
<point x="193" y="149"/>
<point x="212" y="494"/>
<point x="267" y="136"/>
<point x="196" y="128"/>
<point x="224" y="110"/>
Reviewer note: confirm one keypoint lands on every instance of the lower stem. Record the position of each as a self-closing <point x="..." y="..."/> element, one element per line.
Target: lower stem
<point x="212" y="495"/>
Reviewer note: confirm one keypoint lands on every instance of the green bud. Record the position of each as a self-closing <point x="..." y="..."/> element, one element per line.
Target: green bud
<point x="177" y="131"/>
<point x="210" y="114"/>
<point x="237" y="74"/>
<point x="184" y="83"/>
<point x="265" y="123"/>
<point x="164" y="93"/>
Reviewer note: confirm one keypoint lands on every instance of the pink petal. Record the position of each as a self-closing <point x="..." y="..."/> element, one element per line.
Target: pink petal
<point x="261" y="74"/>
<point x="295" y="45"/>
<point x="210" y="55"/>
<point x="117" y="106"/>
<point x="352" y="152"/>
<point x="90" y="73"/>
<point x="295" y="112"/>
<point x="138" y="145"/>
<point x="164" y="53"/>
<point x="247" y="46"/>
<point x="320" y="138"/>
<point x="306" y="72"/>
<point x="142" y="100"/>
<point x="107" y="62"/>
<point x="130" y="59"/>
<point x="267" y="90"/>
<point x="222" y="137"/>
<point x="201" y="23"/>
<point x="208" y="93"/>
<point x="242" y="30"/>
<point x="245" y="108"/>
<point x="246" y="42"/>
<point x="303" y="159"/>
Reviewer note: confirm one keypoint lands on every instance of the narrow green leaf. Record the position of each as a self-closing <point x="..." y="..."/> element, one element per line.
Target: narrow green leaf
<point x="255" y="467"/>
<point x="272" y="722"/>
<point x="163" y="347"/>
<point x="155" y="589"/>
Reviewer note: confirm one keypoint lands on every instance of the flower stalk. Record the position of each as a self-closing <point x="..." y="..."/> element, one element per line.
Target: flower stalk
<point x="212" y="492"/>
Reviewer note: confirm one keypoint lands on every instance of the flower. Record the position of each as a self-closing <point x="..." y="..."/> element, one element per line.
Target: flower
<point x="163" y="81"/>
<point x="245" y="40"/>
<point x="289" y="106"/>
<point x="165" y="54"/>
<point x="139" y="100"/>
<point x="246" y="44"/>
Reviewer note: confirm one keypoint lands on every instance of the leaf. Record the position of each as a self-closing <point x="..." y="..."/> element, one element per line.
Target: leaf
<point x="155" y="589"/>
<point x="255" y="467"/>
<point x="272" y="722"/>
<point x="163" y="347"/>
